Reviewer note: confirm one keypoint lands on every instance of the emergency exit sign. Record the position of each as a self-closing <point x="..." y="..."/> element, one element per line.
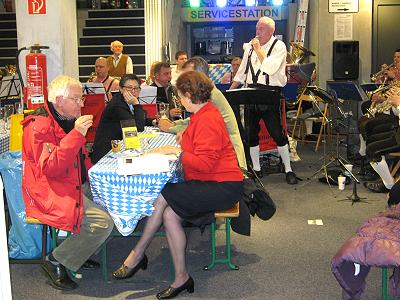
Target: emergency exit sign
<point x="343" y="6"/>
<point x="36" y="7"/>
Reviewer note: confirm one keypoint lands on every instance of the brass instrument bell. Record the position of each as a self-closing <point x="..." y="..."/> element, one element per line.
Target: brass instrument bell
<point x="298" y="53"/>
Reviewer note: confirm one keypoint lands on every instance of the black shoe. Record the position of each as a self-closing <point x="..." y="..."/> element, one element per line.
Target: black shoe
<point x="124" y="272"/>
<point x="171" y="292"/>
<point x="59" y="278"/>
<point x="376" y="187"/>
<point x="291" y="178"/>
<point x="90" y="265"/>
<point x="311" y="138"/>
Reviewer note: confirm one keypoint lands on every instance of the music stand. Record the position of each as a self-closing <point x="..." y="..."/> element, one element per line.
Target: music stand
<point x="94" y="88"/>
<point x="246" y="97"/>
<point x="10" y="87"/>
<point x="301" y="73"/>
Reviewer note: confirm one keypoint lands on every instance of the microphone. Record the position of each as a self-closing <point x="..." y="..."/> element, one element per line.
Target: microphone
<point x="256" y="37"/>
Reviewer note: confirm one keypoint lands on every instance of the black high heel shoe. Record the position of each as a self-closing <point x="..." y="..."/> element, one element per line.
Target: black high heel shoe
<point x="171" y="292"/>
<point x="124" y="272"/>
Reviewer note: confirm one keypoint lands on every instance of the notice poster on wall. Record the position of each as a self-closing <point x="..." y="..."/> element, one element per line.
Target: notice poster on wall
<point x="343" y="27"/>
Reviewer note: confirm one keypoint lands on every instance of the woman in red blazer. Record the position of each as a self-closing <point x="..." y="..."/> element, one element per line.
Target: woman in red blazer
<point x="213" y="182"/>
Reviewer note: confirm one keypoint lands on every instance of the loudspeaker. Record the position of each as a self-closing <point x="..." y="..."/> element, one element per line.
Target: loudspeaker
<point x="345" y="60"/>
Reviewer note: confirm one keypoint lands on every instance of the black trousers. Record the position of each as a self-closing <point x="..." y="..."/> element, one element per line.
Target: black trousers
<point x="380" y="136"/>
<point x="271" y="114"/>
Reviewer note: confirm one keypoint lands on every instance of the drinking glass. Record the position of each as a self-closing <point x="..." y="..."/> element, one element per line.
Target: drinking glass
<point x="2" y="123"/>
<point x="163" y="110"/>
<point x="8" y="111"/>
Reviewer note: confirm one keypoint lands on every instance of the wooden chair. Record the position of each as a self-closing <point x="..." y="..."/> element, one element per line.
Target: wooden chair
<point x="322" y="119"/>
<point x="233" y="212"/>
<point x="395" y="166"/>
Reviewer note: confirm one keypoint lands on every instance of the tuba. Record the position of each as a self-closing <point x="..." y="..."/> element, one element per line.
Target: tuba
<point x="298" y="53"/>
<point x="377" y="108"/>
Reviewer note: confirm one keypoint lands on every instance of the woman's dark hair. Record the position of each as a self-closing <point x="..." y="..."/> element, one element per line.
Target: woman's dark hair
<point x="197" y="84"/>
<point x="127" y="77"/>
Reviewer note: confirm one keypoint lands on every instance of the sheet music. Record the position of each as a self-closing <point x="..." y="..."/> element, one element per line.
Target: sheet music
<point x="148" y="94"/>
<point x="93" y="88"/>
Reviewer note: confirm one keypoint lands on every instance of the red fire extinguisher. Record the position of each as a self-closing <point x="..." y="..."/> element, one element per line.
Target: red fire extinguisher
<point x="35" y="91"/>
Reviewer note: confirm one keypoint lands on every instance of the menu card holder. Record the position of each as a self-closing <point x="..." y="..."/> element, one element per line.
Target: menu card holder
<point x="130" y="134"/>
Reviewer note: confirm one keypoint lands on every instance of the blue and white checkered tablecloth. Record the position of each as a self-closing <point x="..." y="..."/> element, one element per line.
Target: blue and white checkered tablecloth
<point x="4" y="142"/>
<point x="217" y="71"/>
<point x="130" y="198"/>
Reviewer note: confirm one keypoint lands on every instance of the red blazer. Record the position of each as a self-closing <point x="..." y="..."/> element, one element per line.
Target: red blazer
<point x="208" y="151"/>
<point x="51" y="171"/>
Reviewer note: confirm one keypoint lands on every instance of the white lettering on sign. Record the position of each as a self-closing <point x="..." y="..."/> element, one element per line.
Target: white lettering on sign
<point x="214" y="14"/>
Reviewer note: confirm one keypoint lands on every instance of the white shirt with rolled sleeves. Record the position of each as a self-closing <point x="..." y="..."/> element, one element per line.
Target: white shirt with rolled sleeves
<point x="274" y="65"/>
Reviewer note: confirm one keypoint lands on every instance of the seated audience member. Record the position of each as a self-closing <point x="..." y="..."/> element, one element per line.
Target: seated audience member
<point x="123" y="106"/>
<point x="228" y="77"/>
<point x="110" y="83"/>
<point x="213" y="182"/>
<point x="218" y="99"/>
<point x="166" y="93"/>
<point x="55" y="185"/>
<point x="180" y="58"/>
<point x="119" y="64"/>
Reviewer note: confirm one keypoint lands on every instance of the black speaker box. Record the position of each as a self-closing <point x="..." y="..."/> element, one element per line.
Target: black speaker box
<point x="345" y="60"/>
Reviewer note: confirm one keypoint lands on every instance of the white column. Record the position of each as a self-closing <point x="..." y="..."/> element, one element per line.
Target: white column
<point x="154" y="20"/>
<point x="5" y="283"/>
<point x="57" y="29"/>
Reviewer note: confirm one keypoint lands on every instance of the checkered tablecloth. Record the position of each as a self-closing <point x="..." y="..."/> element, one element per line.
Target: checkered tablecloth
<point x="130" y="198"/>
<point x="4" y="142"/>
<point x="217" y="71"/>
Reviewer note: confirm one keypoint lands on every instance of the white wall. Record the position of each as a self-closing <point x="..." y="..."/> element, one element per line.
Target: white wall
<point x="321" y="34"/>
<point x="57" y="29"/>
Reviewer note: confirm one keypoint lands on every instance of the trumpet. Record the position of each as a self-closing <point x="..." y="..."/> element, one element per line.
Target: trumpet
<point x="376" y="75"/>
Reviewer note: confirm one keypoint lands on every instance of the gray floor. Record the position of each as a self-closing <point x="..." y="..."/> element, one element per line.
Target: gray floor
<point x="285" y="258"/>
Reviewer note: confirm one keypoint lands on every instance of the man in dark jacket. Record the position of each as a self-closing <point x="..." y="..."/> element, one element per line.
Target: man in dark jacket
<point x="166" y="93"/>
<point x="123" y="106"/>
<point x="54" y="181"/>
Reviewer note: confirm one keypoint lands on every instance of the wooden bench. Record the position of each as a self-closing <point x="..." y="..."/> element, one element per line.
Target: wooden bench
<point x="54" y="235"/>
<point x="228" y="214"/>
<point x="30" y="220"/>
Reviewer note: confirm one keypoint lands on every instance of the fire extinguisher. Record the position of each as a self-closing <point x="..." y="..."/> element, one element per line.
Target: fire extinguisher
<point x="35" y="90"/>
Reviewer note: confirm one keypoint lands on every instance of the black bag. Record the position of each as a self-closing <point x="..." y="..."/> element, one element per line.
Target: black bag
<point x="257" y="199"/>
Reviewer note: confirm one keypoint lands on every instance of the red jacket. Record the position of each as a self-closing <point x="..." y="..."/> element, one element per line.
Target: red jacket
<point x="208" y="152"/>
<point x="51" y="171"/>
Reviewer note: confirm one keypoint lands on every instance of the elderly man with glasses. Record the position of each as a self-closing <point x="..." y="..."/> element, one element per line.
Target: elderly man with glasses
<point x="123" y="106"/>
<point x="55" y="185"/>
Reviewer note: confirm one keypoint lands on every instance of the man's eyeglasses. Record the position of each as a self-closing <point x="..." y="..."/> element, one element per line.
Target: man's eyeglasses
<point x="133" y="88"/>
<point x="77" y="100"/>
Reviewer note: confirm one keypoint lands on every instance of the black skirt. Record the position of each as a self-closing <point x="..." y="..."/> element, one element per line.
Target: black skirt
<point x="196" y="201"/>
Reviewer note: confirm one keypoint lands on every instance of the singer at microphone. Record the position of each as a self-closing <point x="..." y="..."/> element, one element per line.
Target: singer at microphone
<point x="263" y="68"/>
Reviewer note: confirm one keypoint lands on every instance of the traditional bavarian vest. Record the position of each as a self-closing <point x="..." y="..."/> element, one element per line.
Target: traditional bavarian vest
<point x="120" y="69"/>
